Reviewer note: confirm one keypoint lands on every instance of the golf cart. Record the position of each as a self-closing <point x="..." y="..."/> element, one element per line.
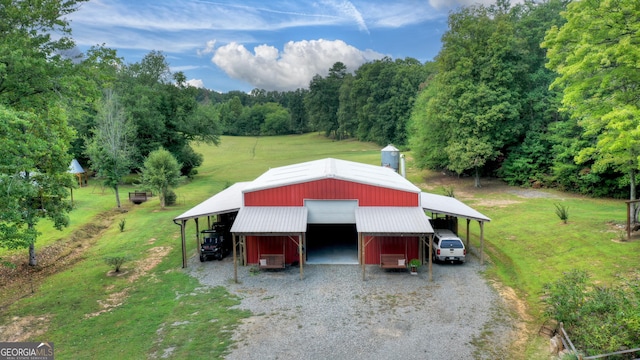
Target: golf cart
<point x="216" y="243"/>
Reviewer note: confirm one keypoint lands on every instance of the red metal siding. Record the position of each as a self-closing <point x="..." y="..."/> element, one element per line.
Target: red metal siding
<point x="257" y="245"/>
<point x="408" y="245"/>
<point x="330" y="189"/>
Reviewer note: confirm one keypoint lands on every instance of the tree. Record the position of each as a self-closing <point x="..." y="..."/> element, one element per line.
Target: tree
<point x="596" y="56"/>
<point x="33" y="175"/>
<point x="111" y="149"/>
<point x="31" y="64"/>
<point x="277" y="120"/>
<point x="531" y="158"/>
<point x="479" y="87"/>
<point x="36" y="85"/>
<point x="161" y="172"/>
<point x="323" y="100"/>
<point x="164" y="110"/>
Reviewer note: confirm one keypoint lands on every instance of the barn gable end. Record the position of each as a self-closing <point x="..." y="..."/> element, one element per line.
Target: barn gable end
<point x="330" y="189"/>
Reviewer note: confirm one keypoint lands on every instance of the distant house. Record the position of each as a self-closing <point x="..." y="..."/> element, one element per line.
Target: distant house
<point x="327" y="211"/>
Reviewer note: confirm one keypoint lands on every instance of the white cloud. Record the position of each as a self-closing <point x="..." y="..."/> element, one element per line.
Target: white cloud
<point x="348" y="10"/>
<point x="211" y="44"/>
<point x="268" y="68"/>
<point x="197" y="83"/>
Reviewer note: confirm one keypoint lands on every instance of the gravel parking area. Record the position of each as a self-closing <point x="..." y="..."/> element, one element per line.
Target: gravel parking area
<point x="334" y="314"/>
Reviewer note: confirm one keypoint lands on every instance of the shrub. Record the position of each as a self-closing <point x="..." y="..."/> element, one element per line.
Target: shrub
<point x="122" y="224"/>
<point x="170" y="197"/>
<point x="562" y="212"/>
<point x="116" y="262"/>
<point x="598" y="319"/>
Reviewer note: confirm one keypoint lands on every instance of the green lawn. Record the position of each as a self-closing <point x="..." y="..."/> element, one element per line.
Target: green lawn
<point x="88" y="313"/>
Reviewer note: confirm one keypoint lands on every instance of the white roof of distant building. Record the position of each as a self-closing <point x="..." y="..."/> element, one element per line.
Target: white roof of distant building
<point x="75" y="167"/>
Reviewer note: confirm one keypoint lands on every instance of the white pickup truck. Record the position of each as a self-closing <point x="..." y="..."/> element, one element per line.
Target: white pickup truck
<point x="447" y="246"/>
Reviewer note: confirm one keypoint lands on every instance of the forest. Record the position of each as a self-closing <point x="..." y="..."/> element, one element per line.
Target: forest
<point x="539" y="94"/>
<point x="501" y="99"/>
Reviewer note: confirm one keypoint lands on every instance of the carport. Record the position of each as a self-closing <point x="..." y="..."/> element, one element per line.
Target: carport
<point x="450" y="206"/>
<point x="227" y="201"/>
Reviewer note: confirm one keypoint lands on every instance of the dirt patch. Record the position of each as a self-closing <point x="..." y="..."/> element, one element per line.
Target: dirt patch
<point x="139" y="269"/>
<point x="618" y="232"/>
<point x="522" y="333"/>
<point x="112" y="301"/>
<point x="22" y="329"/>
<point x="52" y="259"/>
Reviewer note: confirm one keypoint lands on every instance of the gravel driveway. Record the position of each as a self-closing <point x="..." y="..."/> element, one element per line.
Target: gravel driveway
<point x="333" y="314"/>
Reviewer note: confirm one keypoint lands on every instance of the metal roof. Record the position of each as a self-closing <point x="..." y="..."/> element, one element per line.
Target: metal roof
<point x="391" y="220"/>
<point x="330" y="168"/>
<point x="270" y="220"/>
<point x="227" y="200"/>
<point x="447" y="205"/>
<point x="75" y="167"/>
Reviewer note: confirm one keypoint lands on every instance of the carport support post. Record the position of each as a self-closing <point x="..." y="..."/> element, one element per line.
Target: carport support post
<point x="430" y="257"/>
<point x="481" y="243"/>
<point x="184" y="243"/>
<point x="300" y="256"/>
<point x="361" y="240"/>
<point x="235" y="262"/>
<point x="197" y="236"/>
<point x="468" y="221"/>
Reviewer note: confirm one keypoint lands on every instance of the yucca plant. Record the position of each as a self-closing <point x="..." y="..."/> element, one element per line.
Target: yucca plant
<point x="562" y="212"/>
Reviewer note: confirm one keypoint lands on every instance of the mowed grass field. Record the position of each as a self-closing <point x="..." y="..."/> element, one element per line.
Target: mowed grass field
<point x="154" y="309"/>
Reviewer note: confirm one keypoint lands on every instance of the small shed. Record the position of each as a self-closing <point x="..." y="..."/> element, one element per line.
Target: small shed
<point x="76" y="169"/>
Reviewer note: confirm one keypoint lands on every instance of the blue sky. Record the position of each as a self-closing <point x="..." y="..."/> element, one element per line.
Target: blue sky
<point x="280" y="45"/>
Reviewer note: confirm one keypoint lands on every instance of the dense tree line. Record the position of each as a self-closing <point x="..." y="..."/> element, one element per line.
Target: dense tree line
<point x="57" y="104"/>
<point x="519" y="92"/>
<point x="373" y="103"/>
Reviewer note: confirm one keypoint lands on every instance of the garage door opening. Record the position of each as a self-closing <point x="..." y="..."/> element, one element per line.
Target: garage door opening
<point x="332" y="244"/>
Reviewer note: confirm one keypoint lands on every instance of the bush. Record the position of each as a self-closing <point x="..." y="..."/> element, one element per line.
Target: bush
<point x="116" y="262"/>
<point x="598" y="319"/>
<point x="170" y="197"/>
<point x="121" y="224"/>
<point x="449" y="191"/>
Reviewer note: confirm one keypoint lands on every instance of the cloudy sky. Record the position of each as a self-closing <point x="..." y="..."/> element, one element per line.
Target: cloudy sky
<point x="229" y="45"/>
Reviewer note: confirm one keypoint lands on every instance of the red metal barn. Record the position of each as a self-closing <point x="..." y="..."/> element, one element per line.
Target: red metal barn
<point x="329" y="194"/>
<point x="327" y="211"/>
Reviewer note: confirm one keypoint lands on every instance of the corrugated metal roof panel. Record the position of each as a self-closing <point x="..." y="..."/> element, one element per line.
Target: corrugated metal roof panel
<point x="332" y="169"/>
<point x="227" y="200"/>
<point x="270" y="219"/>
<point x="449" y="206"/>
<point x="392" y="220"/>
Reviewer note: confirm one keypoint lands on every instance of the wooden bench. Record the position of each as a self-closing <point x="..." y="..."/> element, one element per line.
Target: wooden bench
<point x="390" y="261"/>
<point x="271" y="261"/>
<point x="138" y="197"/>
